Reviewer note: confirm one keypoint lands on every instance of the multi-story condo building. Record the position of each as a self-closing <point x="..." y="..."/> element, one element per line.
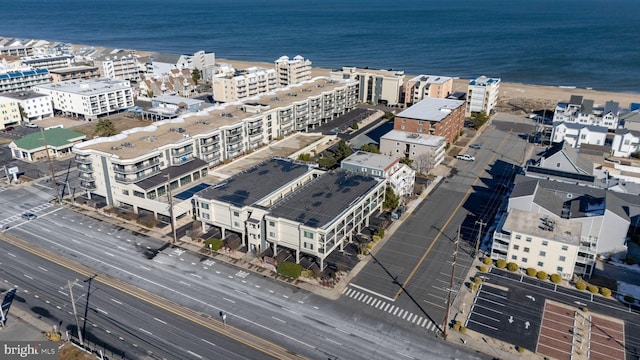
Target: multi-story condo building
<point x="431" y="116"/>
<point x="426" y="151"/>
<point x="160" y="65"/>
<point x="59" y="48"/>
<point x="376" y="86"/>
<point x="205" y="62"/>
<point x="122" y="66"/>
<point x="239" y="84"/>
<point x="9" y="112"/>
<point x="399" y="176"/>
<point x="576" y="134"/>
<point x="89" y="98"/>
<point x="35" y="105"/>
<point x="82" y="72"/>
<point x="604" y="218"/>
<point x="15" y="47"/>
<point x="292" y="71"/>
<point x="582" y="111"/>
<point x="423" y="86"/>
<point x="21" y="78"/>
<point x="482" y="95"/>
<point x="543" y="243"/>
<point x="291" y="206"/>
<point x="131" y="168"/>
<point x="47" y="61"/>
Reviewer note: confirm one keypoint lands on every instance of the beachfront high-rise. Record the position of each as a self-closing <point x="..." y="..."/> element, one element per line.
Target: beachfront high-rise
<point x="21" y="78"/>
<point x="482" y="95"/>
<point x="376" y="86"/>
<point x="121" y="66"/>
<point x="293" y="71"/>
<point x="423" y="86"/>
<point x="239" y="84"/>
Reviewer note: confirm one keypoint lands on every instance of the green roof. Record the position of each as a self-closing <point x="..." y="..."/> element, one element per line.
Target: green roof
<point x="56" y="137"/>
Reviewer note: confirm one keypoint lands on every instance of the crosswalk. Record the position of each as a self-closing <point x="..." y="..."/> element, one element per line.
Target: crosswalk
<point x="36" y="210"/>
<point x="387" y="307"/>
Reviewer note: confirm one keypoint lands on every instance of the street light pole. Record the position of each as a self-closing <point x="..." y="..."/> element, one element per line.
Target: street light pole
<point x="453" y="274"/>
<point x="75" y="312"/>
<point x="173" y="225"/>
<point x="479" y="236"/>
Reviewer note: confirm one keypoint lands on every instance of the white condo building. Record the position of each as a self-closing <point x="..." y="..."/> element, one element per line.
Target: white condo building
<point x="47" y="61"/>
<point x="482" y="95"/>
<point x="35" y="105"/>
<point x="89" y="98"/>
<point x="239" y="84"/>
<point x="21" y="78"/>
<point x="131" y="168"/>
<point x="122" y="67"/>
<point x="376" y="86"/>
<point x="292" y="71"/>
<point x="9" y="112"/>
<point x="426" y="151"/>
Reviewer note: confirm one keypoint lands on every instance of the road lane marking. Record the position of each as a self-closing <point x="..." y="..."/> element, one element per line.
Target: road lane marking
<point x="443" y="227"/>
<point x="27" y="276"/>
<point x="386" y="307"/>
<point x="108" y="253"/>
<point x="486" y="316"/>
<point x="41" y="268"/>
<point x="396" y="311"/>
<point x="346" y="332"/>
<point x="160" y="321"/>
<point x="10" y="254"/>
<point x="196" y="275"/>
<point x="209" y="342"/>
<point x="184" y="283"/>
<point x="372" y="292"/>
<point x="102" y="311"/>
<point x="145" y="331"/>
<point x="144" y="268"/>
<point x="276" y="319"/>
<point x="122" y="248"/>
<point x="194" y="354"/>
<point x="116" y="301"/>
<point x="333" y="341"/>
<point x="229" y="300"/>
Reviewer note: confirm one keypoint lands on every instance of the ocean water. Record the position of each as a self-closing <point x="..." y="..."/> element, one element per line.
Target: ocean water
<point x="583" y="43"/>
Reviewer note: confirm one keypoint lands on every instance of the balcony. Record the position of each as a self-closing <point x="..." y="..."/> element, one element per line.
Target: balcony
<point x="182" y="151"/>
<point x="83" y="159"/>
<point x="85" y="168"/>
<point x="86" y="176"/>
<point x="130" y="169"/>
<point x="210" y="149"/>
<point x="87" y="185"/>
<point x="254" y="124"/>
<point x="234" y="132"/>
<point x="234" y="140"/>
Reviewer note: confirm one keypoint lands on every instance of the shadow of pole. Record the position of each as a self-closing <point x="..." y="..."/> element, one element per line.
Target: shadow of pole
<point x="404" y="290"/>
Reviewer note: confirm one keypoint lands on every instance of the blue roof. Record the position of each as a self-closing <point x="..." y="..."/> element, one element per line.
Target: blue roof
<point x="4" y="76"/>
<point x="30" y="72"/>
<point x="187" y="194"/>
<point x="634" y="106"/>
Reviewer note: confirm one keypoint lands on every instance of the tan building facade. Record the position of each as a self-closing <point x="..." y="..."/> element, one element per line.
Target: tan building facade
<point x="440" y="117"/>
<point x="74" y="73"/>
<point x="423" y="86"/>
<point x="293" y="71"/>
<point x="9" y="112"/>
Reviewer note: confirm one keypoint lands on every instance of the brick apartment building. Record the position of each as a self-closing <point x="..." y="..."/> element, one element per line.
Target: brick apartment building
<point x="441" y="117"/>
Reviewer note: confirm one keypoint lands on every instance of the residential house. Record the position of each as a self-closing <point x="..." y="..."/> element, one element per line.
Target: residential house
<point x="625" y="142"/>
<point x="426" y="151"/>
<point x="160" y="65"/>
<point x="576" y="134"/>
<point x="561" y="162"/>
<point x="583" y="111"/>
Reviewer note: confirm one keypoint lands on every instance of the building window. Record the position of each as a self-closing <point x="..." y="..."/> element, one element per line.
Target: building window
<point x="138" y="194"/>
<point x="125" y="192"/>
<point x="308" y="246"/>
<point x="562" y="258"/>
<point x="557" y="164"/>
<point x="543" y="253"/>
<point x="204" y="206"/>
<point x="516" y="247"/>
<point x="540" y="263"/>
<point x="272" y="234"/>
<point x="236" y="214"/>
<point x="545" y="243"/>
<point x="272" y="223"/>
<point x="236" y="224"/>
<point x="559" y="268"/>
<point x="205" y="216"/>
<point x="524" y="260"/>
<point x="565" y="247"/>
<point x="518" y="237"/>
<point x="308" y="234"/>
<point x="528" y="239"/>
<point x="514" y="257"/>
<point x="526" y="249"/>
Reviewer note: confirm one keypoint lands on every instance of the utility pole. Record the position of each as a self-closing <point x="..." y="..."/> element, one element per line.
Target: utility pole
<point x="453" y="274"/>
<point x="173" y="225"/>
<point x="53" y="175"/>
<point x="482" y="224"/>
<point x="75" y="313"/>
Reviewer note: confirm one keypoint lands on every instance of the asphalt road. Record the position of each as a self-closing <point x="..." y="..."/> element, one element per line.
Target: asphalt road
<point x="413" y="269"/>
<point x="302" y="322"/>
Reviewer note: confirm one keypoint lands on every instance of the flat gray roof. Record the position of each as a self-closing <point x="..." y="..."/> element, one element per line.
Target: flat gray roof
<point x="23" y="95"/>
<point x="561" y="230"/>
<point x="72" y="69"/>
<point x="370" y="160"/>
<point x="431" y="109"/>
<point x="253" y="184"/>
<point x="414" y="138"/>
<point x="172" y="99"/>
<point x="319" y="202"/>
<point x="87" y="87"/>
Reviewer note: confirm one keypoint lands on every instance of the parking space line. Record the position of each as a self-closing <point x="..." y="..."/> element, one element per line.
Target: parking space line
<point x="491" y="301"/>
<point x="490" y="309"/>
<point x="486" y="316"/>
<point x="482" y="324"/>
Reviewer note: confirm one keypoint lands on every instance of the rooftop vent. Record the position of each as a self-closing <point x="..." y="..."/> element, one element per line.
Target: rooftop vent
<point x="275" y="98"/>
<point x="178" y="130"/>
<point x="115" y="148"/>
<point x="128" y="145"/>
<point x="203" y="122"/>
<point x="547" y="224"/>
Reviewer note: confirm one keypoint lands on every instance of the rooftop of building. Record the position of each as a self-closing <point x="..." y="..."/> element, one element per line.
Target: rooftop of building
<point x="484" y="81"/>
<point x="72" y="69"/>
<point x="298" y="59"/>
<point x="322" y="200"/>
<point x="9" y="73"/>
<point x="173" y="172"/>
<point x="431" y="109"/>
<point x="45" y="56"/>
<point x="578" y="126"/>
<point x="255" y="183"/>
<point x="55" y="137"/>
<point x="534" y="224"/>
<point x="431" y="79"/>
<point x="23" y="95"/>
<point x="414" y="138"/>
<point x="87" y="87"/>
<point x="366" y="70"/>
<point x="177" y="100"/>
<point x="370" y="160"/>
<point x="206" y="121"/>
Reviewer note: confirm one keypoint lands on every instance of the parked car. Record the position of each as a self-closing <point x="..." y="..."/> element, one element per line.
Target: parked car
<point x="31" y="125"/>
<point x="29" y="216"/>
<point x="465" y="157"/>
<point x="8" y="128"/>
<point x="475" y="146"/>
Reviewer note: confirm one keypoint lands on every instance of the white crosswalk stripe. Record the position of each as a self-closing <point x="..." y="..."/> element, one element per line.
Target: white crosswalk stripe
<point x="387" y="307"/>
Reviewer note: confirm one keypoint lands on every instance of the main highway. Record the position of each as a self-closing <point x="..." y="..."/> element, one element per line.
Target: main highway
<point x="156" y="298"/>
